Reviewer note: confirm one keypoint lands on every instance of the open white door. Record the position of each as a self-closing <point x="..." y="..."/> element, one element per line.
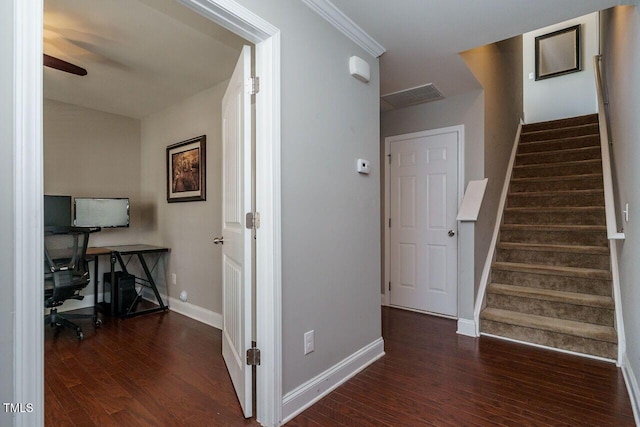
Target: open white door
<point x="236" y="237"/>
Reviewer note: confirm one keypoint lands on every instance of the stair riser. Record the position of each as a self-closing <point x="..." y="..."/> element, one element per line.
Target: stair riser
<point x="551" y="339"/>
<point x="560" y="133"/>
<point x="564" y="200"/>
<point x="557" y="310"/>
<point x="591" y="183"/>
<point x="562" y="144"/>
<point x="566" y="259"/>
<point x="563" y="123"/>
<point x="582" y="238"/>
<point x="558" y="170"/>
<point x="595" y="217"/>
<point x="558" y="156"/>
<point x="554" y="282"/>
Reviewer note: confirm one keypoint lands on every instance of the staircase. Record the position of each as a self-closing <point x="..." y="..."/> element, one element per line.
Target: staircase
<point x="550" y="283"/>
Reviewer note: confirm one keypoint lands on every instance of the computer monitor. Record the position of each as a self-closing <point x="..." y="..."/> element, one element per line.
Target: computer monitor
<point x="57" y="211"/>
<point x="104" y="213"/>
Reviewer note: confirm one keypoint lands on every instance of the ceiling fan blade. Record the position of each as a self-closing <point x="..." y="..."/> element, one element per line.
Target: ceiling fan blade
<point x="59" y="64"/>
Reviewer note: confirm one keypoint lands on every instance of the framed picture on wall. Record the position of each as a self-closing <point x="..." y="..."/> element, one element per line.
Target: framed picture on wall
<point x="558" y="53"/>
<point x="186" y="170"/>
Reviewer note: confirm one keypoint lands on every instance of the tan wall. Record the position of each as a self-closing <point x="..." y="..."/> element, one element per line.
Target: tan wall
<point x="187" y="228"/>
<point x="89" y="153"/>
<point x="498" y="68"/>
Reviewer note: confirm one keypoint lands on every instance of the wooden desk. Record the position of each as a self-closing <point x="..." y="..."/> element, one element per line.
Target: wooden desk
<point x="115" y="254"/>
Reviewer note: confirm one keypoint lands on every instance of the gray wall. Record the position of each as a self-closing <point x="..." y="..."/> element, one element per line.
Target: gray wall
<point x="498" y="68"/>
<point x="187" y="228"/>
<point x="330" y="213"/>
<point x="7" y="242"/>
<point x="621" y="38"/>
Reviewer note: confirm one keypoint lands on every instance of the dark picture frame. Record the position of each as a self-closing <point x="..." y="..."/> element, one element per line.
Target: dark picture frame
<point x="186" y="170"/>
<point x="558" y="53"/>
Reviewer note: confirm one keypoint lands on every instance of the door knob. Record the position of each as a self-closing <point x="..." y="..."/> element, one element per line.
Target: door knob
<point x="451" y="233"/>
<point x="218" y="240"/>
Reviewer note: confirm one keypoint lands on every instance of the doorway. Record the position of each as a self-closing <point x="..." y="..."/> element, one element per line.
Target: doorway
<point x="423" y="188"/>
<point x="28" y="185"/>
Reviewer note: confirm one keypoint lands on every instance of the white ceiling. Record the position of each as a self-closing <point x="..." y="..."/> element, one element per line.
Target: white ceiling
<point x="423" y="37"/>
<point x="141" y="55"/>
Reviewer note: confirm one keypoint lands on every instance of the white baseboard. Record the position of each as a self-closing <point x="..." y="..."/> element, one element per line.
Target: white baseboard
<point x="632" y="386"/>
<point x="316" y="388"/>
<point x="192" y="311"/>
<point x="384" y="300"/>
<point x="467" y="327"/>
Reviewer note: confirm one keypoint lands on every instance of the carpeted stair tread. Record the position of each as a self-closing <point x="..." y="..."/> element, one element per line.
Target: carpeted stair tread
<point x="555" y="227"/>
<point x="557" y="178"/>
<point x="556" y="209"/>
<point x="562" y="326"/>
<point x="557" y="192"/>
<point x="567" y="164"/>
<point x="566" y="132"/>
<point x="578" y="249"/>
<point x="556" y="270"/>
<point x="558" y="156"/>
<point x="569" y="142"/>
<point x="600" y="301"/>
<point x="561" y="123"/>
<point x="556" y="198"/>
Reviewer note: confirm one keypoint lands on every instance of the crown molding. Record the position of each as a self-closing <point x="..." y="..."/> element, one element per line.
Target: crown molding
<point x="346" y="26"/>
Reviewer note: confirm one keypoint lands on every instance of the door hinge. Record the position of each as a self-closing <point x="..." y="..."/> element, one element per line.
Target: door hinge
<point x="389" y="222"/>
<point x="253" y="220"/>
<point x="253" y="356"/>
<point x="253" y="85"/>
<point x="389" y="156"/>
<point x="389" y="286"/>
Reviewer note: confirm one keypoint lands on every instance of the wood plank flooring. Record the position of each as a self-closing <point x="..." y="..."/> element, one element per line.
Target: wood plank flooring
<point x="167" y="370"/>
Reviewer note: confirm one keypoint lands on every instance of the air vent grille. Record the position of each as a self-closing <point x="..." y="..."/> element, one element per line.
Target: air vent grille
<point x="413" y="96"/>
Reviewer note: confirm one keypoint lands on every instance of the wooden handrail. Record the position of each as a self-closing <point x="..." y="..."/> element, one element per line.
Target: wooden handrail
<point x="609" y="201"/>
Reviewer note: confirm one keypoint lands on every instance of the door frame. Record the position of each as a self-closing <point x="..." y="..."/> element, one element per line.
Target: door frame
<point x="28" y="355"/>
<point x="459" y="129"/>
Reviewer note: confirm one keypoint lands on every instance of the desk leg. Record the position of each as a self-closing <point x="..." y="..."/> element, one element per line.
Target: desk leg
<point x="95" y="282"/>
<point x="112" y="259"/>
<point x="150" y="279"/>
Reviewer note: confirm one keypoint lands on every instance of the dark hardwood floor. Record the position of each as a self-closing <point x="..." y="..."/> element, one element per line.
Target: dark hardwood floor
<point x="167" y="370"/>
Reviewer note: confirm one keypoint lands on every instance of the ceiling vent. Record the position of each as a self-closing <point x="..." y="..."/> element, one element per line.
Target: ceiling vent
<point x="413" y="96"/>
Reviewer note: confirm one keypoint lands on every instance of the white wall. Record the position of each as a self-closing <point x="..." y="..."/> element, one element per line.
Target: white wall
<point x="564" y="96"/>
<point x="187" y="228"/>
<point x="7" y="239"/>
<point x="89" y="153"/>
<point x="330" y="214"/>
<point x="621" y="38"/>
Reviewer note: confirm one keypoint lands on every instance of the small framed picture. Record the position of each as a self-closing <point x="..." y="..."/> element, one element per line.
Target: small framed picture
<point x="186" y="170"/>
<point x="558" y="53"/>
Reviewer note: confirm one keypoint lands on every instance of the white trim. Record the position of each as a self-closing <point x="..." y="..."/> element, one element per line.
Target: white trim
<point x="384" y="299"/>
<point x="467" y="327"/>
<point x="632" y="387"/>
<point x="484" y="279"/>
<point x="316" y="388"/>
<point x="346" y="26"/>
<point x="559" y="350"/>
<point x="617" y="300"/>
<point x="387" y="201"/>
<point x="472" y="200"/>
<point x="28" y="338"/>
<point x="192" y="311"/>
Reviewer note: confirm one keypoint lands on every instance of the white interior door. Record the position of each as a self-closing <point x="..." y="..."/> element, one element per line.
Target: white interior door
<point x="236" y="247"/>
<point x="423" y="206"/>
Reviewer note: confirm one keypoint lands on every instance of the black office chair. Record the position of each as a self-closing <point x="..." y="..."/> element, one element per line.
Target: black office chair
<point x="66" y="273"/>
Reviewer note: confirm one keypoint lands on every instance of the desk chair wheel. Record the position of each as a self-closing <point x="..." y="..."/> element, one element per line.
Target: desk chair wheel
<point x="80" y="334"/>
<point x="97" y="322"/>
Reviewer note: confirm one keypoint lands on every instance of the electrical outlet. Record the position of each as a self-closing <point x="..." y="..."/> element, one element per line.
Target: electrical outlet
<point x="174" y="278"/>
<point x="308" y="342"/>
